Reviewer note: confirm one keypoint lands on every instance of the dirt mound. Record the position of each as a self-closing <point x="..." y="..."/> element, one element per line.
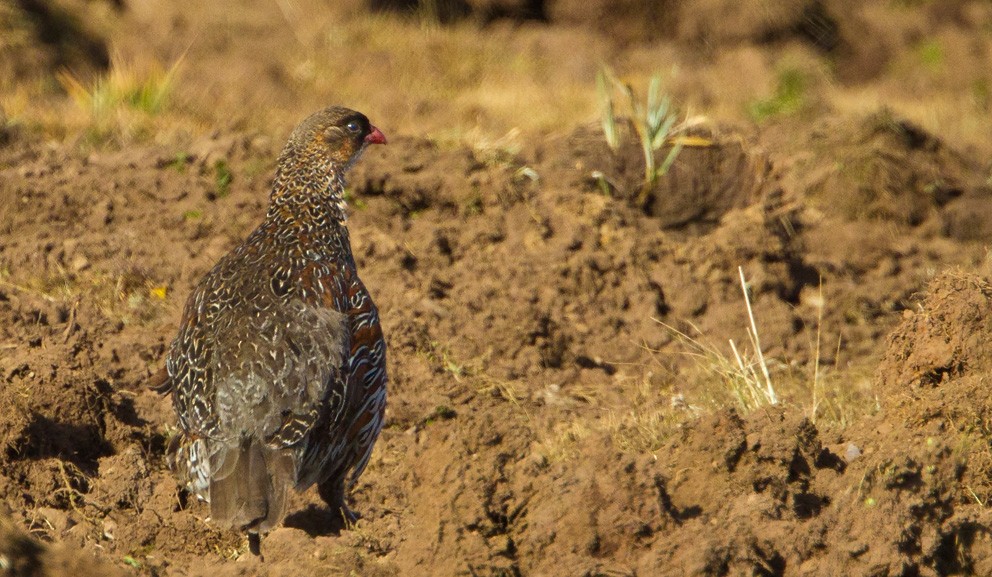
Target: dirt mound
<point x="886" y="168"/>
<point x="933" y="377"/>
<point x="706" y="181"/>
<point x="563" y="396"/>
<point x="943" y="339"/>
<point x="936" y="369"/>
<point x="60" y="418"/>
<point x="761" y="495"/>
<point x="524" y="434"/>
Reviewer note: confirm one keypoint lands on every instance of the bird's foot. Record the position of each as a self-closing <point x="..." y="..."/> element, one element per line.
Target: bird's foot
<point x="348" y="516"/>
<point x="332" y="493"/>
<point x="255" y="544"/>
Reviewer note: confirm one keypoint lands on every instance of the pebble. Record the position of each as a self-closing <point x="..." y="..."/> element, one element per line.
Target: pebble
<point x="851" y="452"/>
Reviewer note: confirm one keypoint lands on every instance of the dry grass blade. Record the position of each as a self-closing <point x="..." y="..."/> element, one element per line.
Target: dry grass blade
<point x="735" y="374"/>
<point x="756" y="342"/>
<point x="816" y="357"/>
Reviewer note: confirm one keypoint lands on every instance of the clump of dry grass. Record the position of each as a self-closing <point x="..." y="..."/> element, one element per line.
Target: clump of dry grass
<point x="564" y="442"/>
<point x="641" y="419"/>
<point x="123" y="103"/>
<point x="743" y="378"/>
<point x="744" y="373"/>
<point x="650" y="420"/>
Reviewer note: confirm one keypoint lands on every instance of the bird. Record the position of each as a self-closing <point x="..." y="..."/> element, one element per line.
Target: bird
<point x="278" y="370"/>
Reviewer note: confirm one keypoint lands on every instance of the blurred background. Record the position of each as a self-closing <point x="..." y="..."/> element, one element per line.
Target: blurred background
<point x="479" y="71"/>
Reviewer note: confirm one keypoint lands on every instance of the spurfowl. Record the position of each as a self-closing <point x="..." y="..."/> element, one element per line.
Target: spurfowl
<point x="278" y="372"/>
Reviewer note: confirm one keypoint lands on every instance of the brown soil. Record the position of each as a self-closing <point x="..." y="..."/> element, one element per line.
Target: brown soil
<point x="544" y="416"/>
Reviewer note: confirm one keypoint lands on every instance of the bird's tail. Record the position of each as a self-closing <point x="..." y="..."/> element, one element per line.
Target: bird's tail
<point x="248" y="490"/>
<point x="246" y="484"/>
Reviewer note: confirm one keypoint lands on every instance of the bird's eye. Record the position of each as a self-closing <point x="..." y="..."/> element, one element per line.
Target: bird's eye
<point x="353" y="127"/>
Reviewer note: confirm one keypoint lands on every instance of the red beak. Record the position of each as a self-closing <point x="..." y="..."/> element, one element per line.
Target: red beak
<point x="375" y="137"/>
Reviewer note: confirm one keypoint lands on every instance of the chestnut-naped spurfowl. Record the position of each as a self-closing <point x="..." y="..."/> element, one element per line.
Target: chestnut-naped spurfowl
<point x="278" y="372"/>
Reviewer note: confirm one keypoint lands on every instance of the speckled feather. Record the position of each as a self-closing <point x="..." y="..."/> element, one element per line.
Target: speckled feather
<point x="278" y="371"/>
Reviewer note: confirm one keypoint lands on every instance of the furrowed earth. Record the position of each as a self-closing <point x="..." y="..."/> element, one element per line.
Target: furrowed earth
<point x="565" y="396"/>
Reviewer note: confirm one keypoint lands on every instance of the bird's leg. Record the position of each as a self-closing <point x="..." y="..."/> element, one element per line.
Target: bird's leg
<point x="332" y="492"/>
<point x="255" y="543"/>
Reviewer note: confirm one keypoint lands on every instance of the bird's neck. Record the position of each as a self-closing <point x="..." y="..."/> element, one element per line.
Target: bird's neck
<point x="308" y="196"/>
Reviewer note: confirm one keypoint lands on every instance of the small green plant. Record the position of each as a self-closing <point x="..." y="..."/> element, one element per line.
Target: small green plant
<point x="789" y="97"/>
<point x="440" y="413"/>
<point x="354" y="201"/>
<point x="602" y="183"/>
<point x="653" y="120"/>
<point x="604" y="86"/>
<point x="931" y="54"/>
<point x="473" y="205"/>
<point x="222" y="178"/>
<point x="179" y="162"/>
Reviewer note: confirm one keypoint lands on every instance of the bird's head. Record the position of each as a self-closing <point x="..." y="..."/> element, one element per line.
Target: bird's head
<point x="337" y="133"/>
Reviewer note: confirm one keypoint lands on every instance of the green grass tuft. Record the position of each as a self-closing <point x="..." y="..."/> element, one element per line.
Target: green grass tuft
<point x="789" y="97"/>
<point x="222" y="178"/>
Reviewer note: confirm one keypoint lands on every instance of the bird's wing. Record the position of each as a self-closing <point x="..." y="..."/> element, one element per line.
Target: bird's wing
<point x="265" y="369"/>
<point x="283" y="372"/>
<point x="190" y="365"/>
